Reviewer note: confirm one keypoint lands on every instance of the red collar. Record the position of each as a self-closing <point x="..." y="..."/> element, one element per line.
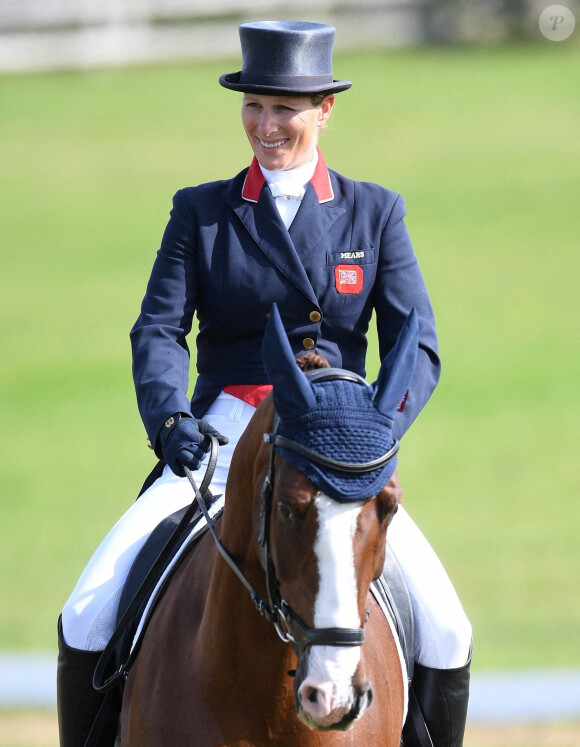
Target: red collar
<point x="320" y="181"/>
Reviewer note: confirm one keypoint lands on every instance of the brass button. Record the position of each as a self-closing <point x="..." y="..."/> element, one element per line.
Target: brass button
<point x="308" y="343"/>
<point x="315" y="316"/>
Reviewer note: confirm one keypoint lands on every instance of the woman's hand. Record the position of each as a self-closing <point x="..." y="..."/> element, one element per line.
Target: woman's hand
<point x="185" y="441"/>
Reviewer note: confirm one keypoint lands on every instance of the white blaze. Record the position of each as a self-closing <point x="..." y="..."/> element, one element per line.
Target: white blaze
<point x="331" y="668"/>
<point x="336" y="603"/>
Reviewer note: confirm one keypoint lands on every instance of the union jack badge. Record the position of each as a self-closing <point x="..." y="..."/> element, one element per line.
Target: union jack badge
<point x="348" y="278"/>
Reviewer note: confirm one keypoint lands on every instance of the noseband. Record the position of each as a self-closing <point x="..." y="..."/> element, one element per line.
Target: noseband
<point x="289" y="626"/>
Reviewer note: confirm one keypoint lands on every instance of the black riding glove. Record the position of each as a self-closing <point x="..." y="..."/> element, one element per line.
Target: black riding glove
<point x="185" y="441"/>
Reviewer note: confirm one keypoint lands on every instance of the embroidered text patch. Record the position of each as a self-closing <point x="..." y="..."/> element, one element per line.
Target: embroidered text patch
<point x="359" y="257"/>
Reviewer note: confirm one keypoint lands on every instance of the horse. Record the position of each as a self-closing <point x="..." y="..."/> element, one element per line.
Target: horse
<point x="320" y="666"/>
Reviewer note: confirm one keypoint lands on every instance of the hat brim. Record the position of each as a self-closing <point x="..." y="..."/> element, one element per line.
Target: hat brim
<point x="232" y="81"/>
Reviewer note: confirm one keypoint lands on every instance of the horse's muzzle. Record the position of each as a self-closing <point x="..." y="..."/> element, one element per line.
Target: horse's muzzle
<point x="340" y="719"/>
<point x="326" y="704"/>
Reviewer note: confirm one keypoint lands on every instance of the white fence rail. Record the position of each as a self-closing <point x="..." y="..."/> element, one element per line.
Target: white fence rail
<point x="536" y="696"/>
<point x="71" y="34"/>
<point x="60" y="34"/>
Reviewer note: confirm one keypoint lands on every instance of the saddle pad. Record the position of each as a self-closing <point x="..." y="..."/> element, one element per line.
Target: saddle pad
<point x="149" y="553"/>
<point x="381" y="601"/>
<point x="391" y="587"/>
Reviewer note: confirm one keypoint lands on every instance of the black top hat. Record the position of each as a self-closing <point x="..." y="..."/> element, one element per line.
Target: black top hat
<point x="285" y="58"/>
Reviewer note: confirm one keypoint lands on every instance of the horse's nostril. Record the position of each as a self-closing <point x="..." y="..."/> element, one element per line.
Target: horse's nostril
<point x="312" y="695"/>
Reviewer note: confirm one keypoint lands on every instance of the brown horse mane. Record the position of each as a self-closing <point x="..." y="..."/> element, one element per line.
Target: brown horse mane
<point x="310" y="361"/>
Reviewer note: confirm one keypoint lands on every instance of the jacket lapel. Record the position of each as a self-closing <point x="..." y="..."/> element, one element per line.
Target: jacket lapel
<point x="316" y="213"/>
<point x="312" y="222"/>
<point x="260" y="216"/>
<point x="264" y="224"/>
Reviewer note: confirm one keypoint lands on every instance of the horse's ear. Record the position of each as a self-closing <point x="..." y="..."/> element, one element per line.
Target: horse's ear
<point x="397" y="368"/>
<point x="293" y="393"/>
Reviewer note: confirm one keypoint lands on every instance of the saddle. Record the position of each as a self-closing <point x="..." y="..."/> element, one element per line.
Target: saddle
<point x="147" y="557"/>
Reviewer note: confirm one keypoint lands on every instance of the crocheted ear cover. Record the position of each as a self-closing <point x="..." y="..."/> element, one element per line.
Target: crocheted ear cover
<point x="344" y="425"/>
<point x="344" y="420"/>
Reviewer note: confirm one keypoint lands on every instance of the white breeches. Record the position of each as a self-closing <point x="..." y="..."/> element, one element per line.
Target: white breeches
<point x="443" y="633"/>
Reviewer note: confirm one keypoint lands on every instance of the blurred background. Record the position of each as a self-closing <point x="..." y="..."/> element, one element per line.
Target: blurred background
<point x="64" y="34"/>
<point x="472" y="111"/>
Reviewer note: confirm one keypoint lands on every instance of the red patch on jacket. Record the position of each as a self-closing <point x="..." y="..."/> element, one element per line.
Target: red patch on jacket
<point x="348" y="278"/>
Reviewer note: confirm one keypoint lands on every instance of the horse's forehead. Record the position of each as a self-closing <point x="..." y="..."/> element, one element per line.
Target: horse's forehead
<point x="337" y="523"/>
<point x="335" y="512"/>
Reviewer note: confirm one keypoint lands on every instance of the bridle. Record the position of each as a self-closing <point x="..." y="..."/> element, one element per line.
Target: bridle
<point x="289" y="626"/>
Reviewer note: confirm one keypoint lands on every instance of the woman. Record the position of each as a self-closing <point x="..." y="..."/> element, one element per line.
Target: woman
<point x="329" y="251"/>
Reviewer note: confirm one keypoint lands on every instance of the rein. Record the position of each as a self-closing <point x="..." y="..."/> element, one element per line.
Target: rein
<point x="289" y="626"/>
<point x="259" y="602"/>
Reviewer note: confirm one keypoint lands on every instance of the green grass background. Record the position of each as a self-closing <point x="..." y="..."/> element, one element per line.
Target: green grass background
<point x="483" y="143"/>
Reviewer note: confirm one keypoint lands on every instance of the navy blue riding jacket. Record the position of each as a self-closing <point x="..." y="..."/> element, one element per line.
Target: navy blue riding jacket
<point x="227" y="256"/>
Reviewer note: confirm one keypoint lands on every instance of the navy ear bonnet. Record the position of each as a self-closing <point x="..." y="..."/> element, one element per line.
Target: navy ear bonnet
<point x="345" y="420"/>
<point x="343" y="425"/>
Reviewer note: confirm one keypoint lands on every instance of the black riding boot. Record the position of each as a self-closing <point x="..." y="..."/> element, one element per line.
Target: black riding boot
<point x="77" y="702"/>
<point x="442" y="695"/>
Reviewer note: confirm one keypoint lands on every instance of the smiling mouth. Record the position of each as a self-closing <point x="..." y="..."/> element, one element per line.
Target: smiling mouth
<point x="275" y="144"/>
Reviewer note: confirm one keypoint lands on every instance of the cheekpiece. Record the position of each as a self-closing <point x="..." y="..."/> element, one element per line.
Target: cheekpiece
<point x="285" y="58"/>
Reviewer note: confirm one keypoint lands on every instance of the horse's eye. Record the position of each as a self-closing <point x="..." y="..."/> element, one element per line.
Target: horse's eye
<point x="285" y="512"/>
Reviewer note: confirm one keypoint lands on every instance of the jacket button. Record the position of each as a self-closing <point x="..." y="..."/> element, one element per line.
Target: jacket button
<point x="315" y="316"/>
<point x="308" y="343"/>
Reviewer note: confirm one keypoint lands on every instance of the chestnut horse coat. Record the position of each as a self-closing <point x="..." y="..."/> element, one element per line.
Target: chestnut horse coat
<point x="212" y="671"/>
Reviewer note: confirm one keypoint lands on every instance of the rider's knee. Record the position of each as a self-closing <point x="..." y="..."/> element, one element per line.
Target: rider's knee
<point x="443" y="641"/>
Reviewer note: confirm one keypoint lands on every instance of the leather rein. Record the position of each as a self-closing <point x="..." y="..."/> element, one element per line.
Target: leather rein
<point x="289" y="626"/>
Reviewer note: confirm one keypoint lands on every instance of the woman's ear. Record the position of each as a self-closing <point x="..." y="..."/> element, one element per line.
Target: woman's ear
<point x="325" y="109"/>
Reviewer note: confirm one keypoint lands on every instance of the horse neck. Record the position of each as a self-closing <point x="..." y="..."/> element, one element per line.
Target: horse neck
<point x="232" y="630"/>
<point x="246" y="475"/>
<point x="247" y="471"/>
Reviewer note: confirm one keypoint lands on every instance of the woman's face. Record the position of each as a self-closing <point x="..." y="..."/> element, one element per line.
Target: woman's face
<point x="283" y="130"/>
